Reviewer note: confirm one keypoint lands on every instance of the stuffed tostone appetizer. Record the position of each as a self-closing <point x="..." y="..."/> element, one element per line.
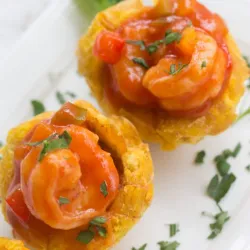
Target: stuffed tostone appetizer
<point x="74" y="179"/>
<point x="6" y="244"/>
<point x="173" y="69"/>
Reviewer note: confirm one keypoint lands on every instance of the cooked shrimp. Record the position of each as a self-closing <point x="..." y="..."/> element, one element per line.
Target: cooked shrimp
<point x="75" y="173"/>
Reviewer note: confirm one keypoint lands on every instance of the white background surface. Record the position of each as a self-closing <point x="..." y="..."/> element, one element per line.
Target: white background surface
<point x="179" y="185"/>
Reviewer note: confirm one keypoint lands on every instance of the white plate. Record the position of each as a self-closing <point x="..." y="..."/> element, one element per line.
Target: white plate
<point x="44" y="61"/>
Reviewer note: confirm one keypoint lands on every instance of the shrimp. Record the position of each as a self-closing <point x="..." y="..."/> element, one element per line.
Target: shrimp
<point x="75" y="173"/>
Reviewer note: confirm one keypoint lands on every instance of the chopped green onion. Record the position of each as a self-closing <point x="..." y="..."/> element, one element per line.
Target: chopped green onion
<point x="63" y="200"/>
<point x="139" y="43"/>
<point x="85" y="237"/>
<point x="171" y="37"/>
<point x="223" y="167"/>
<point x="174" y="70"/>
<point x="165" y="245"/>
<point x="173" y="229"/>
<point x="97" y="221"/>
<point x="140" y="248"/>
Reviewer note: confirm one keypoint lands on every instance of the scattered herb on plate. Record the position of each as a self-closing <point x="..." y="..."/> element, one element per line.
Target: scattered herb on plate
<point x="173" y="229"/>
<point x="199" y="159"/>
<point x="165" y="245"/>
<point x="38" y="107"/>
<point x="243" y="115"/>
<point x="85" y="237"/>
<point x="143" y="247"/>
<point x="248" y="168"/>
<point x="220" y="220"/>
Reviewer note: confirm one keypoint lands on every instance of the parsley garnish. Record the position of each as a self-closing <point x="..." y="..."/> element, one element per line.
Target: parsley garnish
<point x="223" y="168"/>
<point x="140" y="248"/>
<point x="165" y="245"/>
<point x="38" y="107"/>
<point x="173" y="229"/>
<point x="85" y="236"/>
<point x="199" y="159"/>
<point x="204" y="64"/>
<point x="217" y="188"/>
<point x="174" y="70"/>
<point x="171" y="37"/>
<point x="95" y="224"/>
<point x="97" y="221"/>
<point x="139" y="43"/>
<point x="153" y="47"/>
<point x="104" y="189"/>
<point x="63" y="200"/>
<point x="140" y="61"/>
<point x="247" y="61"/>
<point x="60" y="97"/>
<point x="220" y="220"/>
<point x="227" y="153"/>
<point x="63" y="141"/>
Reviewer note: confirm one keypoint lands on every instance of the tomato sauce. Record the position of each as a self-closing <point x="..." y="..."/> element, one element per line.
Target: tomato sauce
<point x="181" y="76"/>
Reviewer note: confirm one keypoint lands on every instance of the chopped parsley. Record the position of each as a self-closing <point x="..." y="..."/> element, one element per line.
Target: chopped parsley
<point x="165" y="245"/>
<point x="140" y="61"/>
<point x="63" y="200"/>
<point x="97" y="221"/>
<point x="38" y="107"/>
<point x="243" y="115"/>
<point x="220" y="220"/>
<point x="53" y="142"/>
<point x="143" y="247"/>
<point x="223" y="168"/>
<point x="218" y="188"/>
<point x="104" y="189"/>
<point x="204" y="64"/>
<point x="171" y="37"/>
<point x="60" y="97"/>
<point x="139" y="43"/>
<point x="96" y="224"/>
<point x="174" y="70"/>
<point x="153" y="47"/>
<point x="199" y="159"/>
<point x="247" y="61"/>
<point x="173" y="229"/>
<point x="227" y="153"/>
<point x="85" y="237"/>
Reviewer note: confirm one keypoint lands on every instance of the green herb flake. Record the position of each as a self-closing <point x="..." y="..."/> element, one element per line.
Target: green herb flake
<point x="165" y="245"/>
<point x="153" y="47"/>
<point x="247" y="61"/>
<point x="63" y="201"/>
<point x="204" y="64"/>
<point x="171" y="37"/>
<point x="104" y="189"/>
<point x="199" y="159"/>
<point x="223" y="168"/>
<point x="60" y="97"/>
<point x="243" y="115"/>
<point x="143" y="247"/>
<point x="173" y="229"/>
<point x="71" y="94"/>
<point x="97" y="221"/>
<point x="63" y="141"/>
<point x="227" y="153"/>
<point x="140" y="61"/>
<point x="139" y="43"/>
<point x="217" y="189"/>
<point x="38" y="107"/>
<point x="248" y="168"/>
<point x="85" y="237"/>
<point x="174" y="70"/>
<point x="220" y="220"/>
<point x="102" y="231"/>
<point x="236" y="150"/>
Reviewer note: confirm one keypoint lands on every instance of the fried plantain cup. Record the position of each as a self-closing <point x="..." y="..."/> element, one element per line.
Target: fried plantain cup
<point x="7" y="244"/>
<point x="74" y="179"/>
<point x="173" y="69"/>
